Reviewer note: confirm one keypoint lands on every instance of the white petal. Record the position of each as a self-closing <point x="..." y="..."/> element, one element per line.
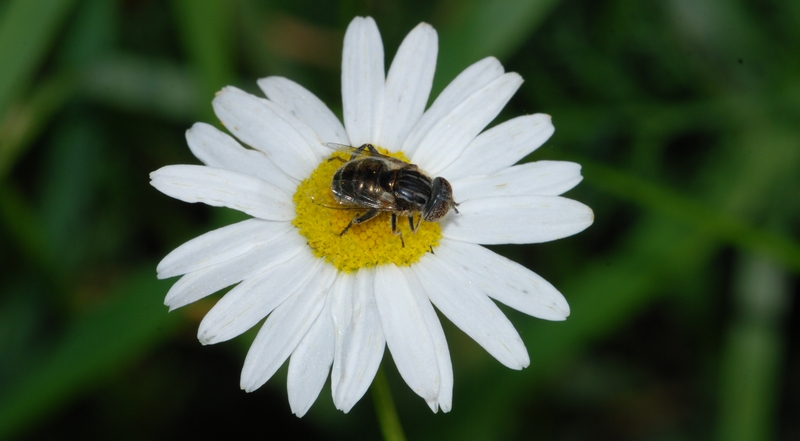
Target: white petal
<point x="504" y="280"/>
<point x="248" y="303"/>
<point x="444" y="398"/>
<point x="448" y="138"/>
<point x="198" y="284"/>
<point x="220" y="150"/>
<point x="501" y="146"/>
<point x="283" y="330"/>
<point x="362" y="81"/>
<point x="359" y="337"/>
<point x="408" y="85"/>
<point x="310" y="363"/>
<point x="224" y="188"/>
<point x="268" y="127"/>
<point x="218" y="246"/>
<point x="472" y="79"/>
<point x="517" y="219"/>
<point x="472" y="311"/>
<point x="306" y="107"/>
<point x="406" y="330"/>
<point x="545" y="178"/>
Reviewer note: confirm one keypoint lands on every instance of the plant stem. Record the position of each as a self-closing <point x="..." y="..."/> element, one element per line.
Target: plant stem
<point x="385" y="410"/>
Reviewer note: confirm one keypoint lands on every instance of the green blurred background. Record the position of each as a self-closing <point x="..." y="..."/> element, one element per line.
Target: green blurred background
<point x="684" y="113"/>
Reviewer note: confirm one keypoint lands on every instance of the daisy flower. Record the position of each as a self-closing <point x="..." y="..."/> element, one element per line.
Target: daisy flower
<point x="334" y="302"/>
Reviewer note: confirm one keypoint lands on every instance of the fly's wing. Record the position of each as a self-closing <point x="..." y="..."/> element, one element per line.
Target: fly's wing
<point x="348" y="149"/>
<point x="324" y="197"/>
<point x="359" y="152"/>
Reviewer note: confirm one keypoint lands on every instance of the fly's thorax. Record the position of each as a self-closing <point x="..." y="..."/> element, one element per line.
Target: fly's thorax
<point x="414" y="188"/>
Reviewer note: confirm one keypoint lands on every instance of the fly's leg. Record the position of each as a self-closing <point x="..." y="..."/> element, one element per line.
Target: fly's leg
<point x="357" y="152"/>
<point x="372" y="151"/>
<point x="411" y="225"/>
<point x="396" y="231"/>
<point x="360" y="219"/>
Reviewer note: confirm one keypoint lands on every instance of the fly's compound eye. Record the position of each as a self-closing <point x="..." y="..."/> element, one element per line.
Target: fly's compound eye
<point x="441" y="200"/>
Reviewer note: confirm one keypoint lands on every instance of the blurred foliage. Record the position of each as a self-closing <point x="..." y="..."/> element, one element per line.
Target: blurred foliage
<point x="685" y="115"/>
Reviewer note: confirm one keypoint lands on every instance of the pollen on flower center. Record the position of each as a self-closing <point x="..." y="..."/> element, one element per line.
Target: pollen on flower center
<point x="367" y="244"/>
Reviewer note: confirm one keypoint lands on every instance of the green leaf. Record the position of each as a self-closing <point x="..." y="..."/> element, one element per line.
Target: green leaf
<point x="27" y="29"/>
<point x="24" y="121"/>
<point x="206" y="29"/>
<point x="156" y="88"/>
<point x="714" y="223"/>
<point x="18" y="218"/>
<point x="486" y="28"/>
<point x="91" y="349"/>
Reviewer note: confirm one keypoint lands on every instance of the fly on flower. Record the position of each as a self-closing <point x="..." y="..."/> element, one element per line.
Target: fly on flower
<point x="373" y="183"/>
<point x="332" y="303"/>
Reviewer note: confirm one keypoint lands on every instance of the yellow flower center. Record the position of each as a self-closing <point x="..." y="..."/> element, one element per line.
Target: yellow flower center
<point x="321" y="220"/>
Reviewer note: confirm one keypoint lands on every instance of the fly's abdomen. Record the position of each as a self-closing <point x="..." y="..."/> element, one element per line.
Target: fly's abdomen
<point x="357" y="179"/>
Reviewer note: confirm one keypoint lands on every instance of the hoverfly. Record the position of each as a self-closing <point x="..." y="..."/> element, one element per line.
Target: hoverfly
<point x="374" y="183"/>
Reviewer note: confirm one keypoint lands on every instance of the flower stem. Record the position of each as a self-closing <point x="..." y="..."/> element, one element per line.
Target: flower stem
<point x="384" y="408"/>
